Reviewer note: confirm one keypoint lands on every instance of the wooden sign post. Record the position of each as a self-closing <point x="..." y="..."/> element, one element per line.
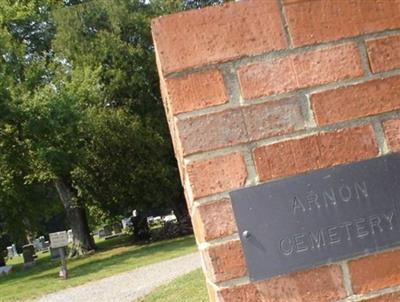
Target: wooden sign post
<point x="59" y="240"/>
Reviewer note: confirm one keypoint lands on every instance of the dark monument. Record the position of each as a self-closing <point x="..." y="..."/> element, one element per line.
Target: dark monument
<point x="108" y="230"/>
<point x="28" y="252"/>
<point x="117" y="228"/>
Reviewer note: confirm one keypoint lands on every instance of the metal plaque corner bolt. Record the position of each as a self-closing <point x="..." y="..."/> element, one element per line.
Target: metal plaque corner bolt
<point x="319" y="217"/>
<point x="246" y="234"/>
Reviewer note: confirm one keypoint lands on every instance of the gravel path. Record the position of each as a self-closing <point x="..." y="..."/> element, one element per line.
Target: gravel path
<point x="129" y="286"/>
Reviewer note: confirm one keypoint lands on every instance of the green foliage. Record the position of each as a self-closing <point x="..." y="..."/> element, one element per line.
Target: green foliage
<point x="129" y="159"/>
<point x="116" y="36"/>
<point x="26" y="69"/>
<point x="56" y="122"/>
<point x="124" y="161"/>
<point x="189" y="4"/>
<point x="23" y="206"/>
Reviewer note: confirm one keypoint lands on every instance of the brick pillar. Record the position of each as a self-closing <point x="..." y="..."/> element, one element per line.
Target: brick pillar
<point x="263" y="89"/>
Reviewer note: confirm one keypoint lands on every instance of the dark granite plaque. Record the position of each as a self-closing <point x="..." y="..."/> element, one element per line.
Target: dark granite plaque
<point x="320" y="217"/>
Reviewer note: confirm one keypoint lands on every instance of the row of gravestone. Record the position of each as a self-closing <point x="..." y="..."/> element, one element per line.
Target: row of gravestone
<point x="29" y="254"/>
<point x="40" y="245"/>
<point x="29" y="251"/>
<point x="110" y="230"/>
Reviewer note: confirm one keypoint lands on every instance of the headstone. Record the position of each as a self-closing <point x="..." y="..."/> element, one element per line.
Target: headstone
<point x="38" y="243"/>
<point x="55" y="253"/>
<point x="170" y="218"/>
<point x="14" y="248"/>
<point x="125" y="223"/>
<point x="117" y="228"/>
<point x="28" y="252"/>
<point x="154" y="220"/>
<point x="102" y="233"/>
<point x="10" y="252"/>
<point x="46" y="246"/>
<point x="108" y="230"/>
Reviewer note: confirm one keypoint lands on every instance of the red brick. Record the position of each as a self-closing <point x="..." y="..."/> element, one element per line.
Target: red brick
<point x="384" y="53"/>
<point x="314" y="152"/>
<point x="217" y="175"/>
<point x="225" y="261"/>
<point x="356" y="101"/>
<point x="273" y="118"/>
<point x="375" y="272"/>
<point x="212" y="131"/>
<point x="395" y="297"/>
<point x="216" y="34"/>
<point x="196" y="91"/>
<point x="242" y="293"/>
<point x="392" y="134"/>
<point x="318" y="285"/>
<point x="214" y="220"/>
<point x="300" y="71"/>
<point x="239" y="125"/>
<point x="317" y="21"/>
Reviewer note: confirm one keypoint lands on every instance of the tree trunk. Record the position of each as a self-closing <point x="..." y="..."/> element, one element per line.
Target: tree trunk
<point x="2" y="261"/>
<point x="83" y="242"/>
<point x="182" y="215"/>
<point x="179" y="206"/>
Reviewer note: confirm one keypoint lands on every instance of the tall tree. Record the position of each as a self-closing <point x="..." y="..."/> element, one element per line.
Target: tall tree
<point x="56" y="123"/>
<point x="130" y="163"/>
<point x="41" y="112"/>
<point x="79" y="99"/>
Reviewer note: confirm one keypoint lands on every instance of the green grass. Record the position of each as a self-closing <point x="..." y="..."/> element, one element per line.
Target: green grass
<point x="188" y="288"/>
<point x="114" y="256"/>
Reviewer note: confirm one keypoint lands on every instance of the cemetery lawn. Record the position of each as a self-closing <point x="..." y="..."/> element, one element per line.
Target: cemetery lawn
<point x="113" y="256"/>
<point x="188" y="288"/>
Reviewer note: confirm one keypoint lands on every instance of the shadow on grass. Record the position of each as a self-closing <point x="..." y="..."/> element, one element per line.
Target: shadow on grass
<point x="147" y="251"/>
<point x="20" y="273"/>
<point x="117" y="242"/>
<point x="45" y="263"/>
<point x="45" y="267"/>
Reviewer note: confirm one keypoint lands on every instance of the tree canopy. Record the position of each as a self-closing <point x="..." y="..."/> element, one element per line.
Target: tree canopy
<point x="81" y="120"/>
